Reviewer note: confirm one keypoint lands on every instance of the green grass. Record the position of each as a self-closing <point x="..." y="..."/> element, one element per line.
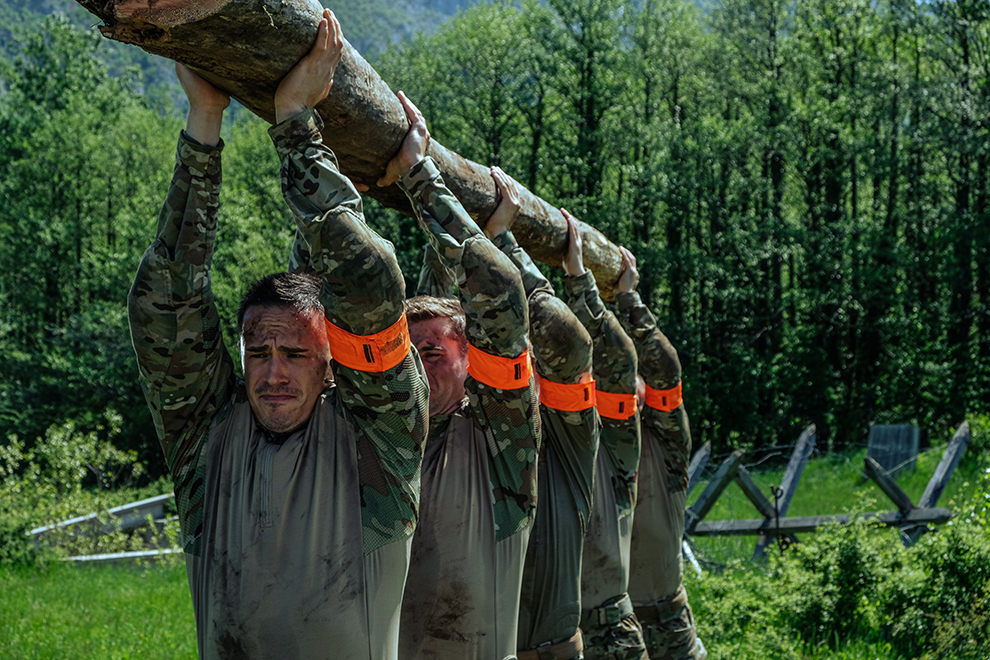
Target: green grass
<point x="831" y="484"/>
<point x="748" y="612"/>
<point x="118" y="612"/>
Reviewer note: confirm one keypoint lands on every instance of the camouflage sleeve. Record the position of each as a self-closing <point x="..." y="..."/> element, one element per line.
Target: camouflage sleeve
<point x="493" y="301"/>
<point x="434" y="278"/>
<point x="561" y="345"/>
<point x="489" y="288"/>
<point x="614" y="367"/>
<point x="186" y="373"/>
<point x="661" y="369"/>
<point x="362" y="293"/>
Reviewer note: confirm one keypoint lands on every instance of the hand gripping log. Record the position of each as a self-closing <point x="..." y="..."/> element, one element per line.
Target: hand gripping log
<point x="245" y="47"/>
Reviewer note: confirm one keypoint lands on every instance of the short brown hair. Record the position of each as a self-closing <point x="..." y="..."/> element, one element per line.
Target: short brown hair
<point x="424" y="308"/>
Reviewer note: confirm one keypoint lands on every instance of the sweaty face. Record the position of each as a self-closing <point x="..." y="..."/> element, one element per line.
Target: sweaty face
<point x="286" y="360"/>
<point x="446" y="366"/>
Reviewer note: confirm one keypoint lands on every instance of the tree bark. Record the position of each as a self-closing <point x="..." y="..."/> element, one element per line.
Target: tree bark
<point x="245" y="47"/>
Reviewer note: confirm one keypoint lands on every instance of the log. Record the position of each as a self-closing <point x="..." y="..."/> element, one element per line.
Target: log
<point x="245" y="47"/>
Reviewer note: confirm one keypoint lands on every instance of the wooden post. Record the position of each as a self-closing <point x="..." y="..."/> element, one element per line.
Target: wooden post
<point x="245" y="47"/>
<point x="697" y="466"/>
<point x="888" y="485"/>
<point x="695" y="513"/>
<point x="752" y="492"/>
<point x="811" y="523"/>
<point x="950" y="459"/>
<point x="792" y="477"/>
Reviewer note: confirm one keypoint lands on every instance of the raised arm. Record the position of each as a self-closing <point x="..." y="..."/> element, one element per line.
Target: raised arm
<point x="562" y="347"/>
<point x="661" y="370"/>
<point x="186" y="373"/>
<point x="614" y="368"/>
<point x="499" y="384"/>
<point x="379" y="377"/>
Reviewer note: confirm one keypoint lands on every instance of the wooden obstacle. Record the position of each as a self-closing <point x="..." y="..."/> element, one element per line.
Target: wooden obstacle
<point x="911" y="519"/>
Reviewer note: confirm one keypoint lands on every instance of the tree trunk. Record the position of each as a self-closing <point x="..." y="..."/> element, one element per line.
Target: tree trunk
<point x="245" y="47"/>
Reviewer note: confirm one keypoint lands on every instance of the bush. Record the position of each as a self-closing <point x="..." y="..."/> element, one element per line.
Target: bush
<point x="67" y="473"/>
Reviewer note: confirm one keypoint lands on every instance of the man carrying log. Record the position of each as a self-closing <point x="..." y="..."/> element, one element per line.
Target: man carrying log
<point x="611" y="631"/>
<point x="658" y="597"/>
<point x="550" y="607"/>
<point x="297" y="496"/>
<point x="479" y="473"/>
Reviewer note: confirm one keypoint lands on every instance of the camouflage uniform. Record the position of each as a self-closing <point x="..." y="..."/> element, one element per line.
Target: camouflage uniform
<point x="434" y="278"/>
<point x="611" y="631"/>
<point x="479" y="472"/>
<point x="296" y="544"/>
<point x="550" y="611"/>
<point x="658" y="526"/>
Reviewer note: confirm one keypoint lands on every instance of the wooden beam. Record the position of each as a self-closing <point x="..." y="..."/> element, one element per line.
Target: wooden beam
<point x="697" y="466"/>
<point x="245" y="47"/>
<point x="888" y="485"/>
<point x="938" y="482"/>
<point x="792" y="477"/>
<point x="753" y="493"/>
<point x="695" y="513"/>
<point x="811" y="523"/>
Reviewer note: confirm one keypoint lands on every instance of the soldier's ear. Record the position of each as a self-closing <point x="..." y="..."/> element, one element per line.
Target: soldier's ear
<point x="240" y="349"/>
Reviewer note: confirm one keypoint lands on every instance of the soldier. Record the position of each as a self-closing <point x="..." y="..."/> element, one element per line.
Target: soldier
<point x="479" y="473"/>
<point x="297" y="496"/>
<point x="659" y="599"/>
<point x="550" y="608"/>
<point x="611" y="631"/>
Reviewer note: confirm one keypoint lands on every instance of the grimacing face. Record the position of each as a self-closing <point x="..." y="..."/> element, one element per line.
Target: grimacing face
<point x="445" y="364"/>
<point x="286" y="359"/>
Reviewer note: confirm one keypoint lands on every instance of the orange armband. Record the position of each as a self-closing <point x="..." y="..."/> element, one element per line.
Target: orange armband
<point x="378" y="352"/>
<point x="499" y="372"/>
<point x="616" y="406"/>
<point x="575" y="397"/>
<point x="666" y="400"/>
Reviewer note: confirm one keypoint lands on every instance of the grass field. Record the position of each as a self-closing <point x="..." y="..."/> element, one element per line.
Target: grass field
<point x="66" y="612"/>
<point x="120" y="612"/>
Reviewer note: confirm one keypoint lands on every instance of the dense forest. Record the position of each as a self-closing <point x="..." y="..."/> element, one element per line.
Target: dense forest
<point x="805" y="184"/>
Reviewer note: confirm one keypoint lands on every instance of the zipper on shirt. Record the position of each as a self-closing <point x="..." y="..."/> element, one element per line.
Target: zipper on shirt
<point x="267" y="461"/>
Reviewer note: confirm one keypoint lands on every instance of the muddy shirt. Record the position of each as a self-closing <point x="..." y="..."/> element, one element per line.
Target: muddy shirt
<point x="550" y="610"/>
<point x="296" y="545"/>
<point x="605" y="568"/>
<point x="479" y="474"/>
<point x="655" y="555"/>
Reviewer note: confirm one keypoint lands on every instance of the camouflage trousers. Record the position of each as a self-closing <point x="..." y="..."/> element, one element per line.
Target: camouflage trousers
<point x="669" y="631"/>
<point x="611" y="632"/>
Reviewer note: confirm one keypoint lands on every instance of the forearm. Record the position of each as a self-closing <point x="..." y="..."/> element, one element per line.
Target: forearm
<point x="562" y="347"/>
<point x="363" y="289"/>
<point x="434" y="278"/>
<point x="175" y="328"/>
<point x="614" y="357"/>
<point x="658" y="361"/>
<point x="489" y="288"/>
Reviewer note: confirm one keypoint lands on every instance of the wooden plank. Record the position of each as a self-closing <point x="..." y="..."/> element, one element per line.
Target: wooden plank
<point x="695" y="513"/>
<point x="938" y="482"/>
<point x="752" y="492"/>
<point x="792" y="477"/>
<point x="950" y="459"/>
<point x="811" y="523"/>
<point x="888" y="485"/>
<point x="698" y="463"/>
